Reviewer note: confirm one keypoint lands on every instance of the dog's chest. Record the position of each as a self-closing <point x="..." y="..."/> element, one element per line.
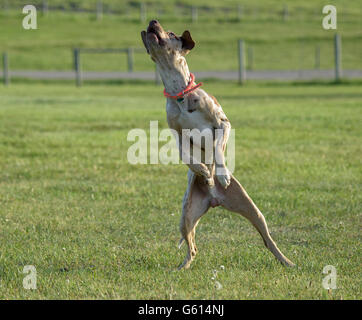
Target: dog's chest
<point x="185" y="116"/>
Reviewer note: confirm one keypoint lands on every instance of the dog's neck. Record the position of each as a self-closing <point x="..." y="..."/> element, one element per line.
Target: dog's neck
<point x="175" y="77"/>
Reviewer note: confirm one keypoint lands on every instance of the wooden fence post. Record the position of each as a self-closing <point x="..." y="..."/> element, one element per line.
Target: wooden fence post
<point x="6" y="6"/>
<point x="143" y="13"/>
<point x="130" y="59"/>
<point x="99" y="10"/>
<point x="240" y="12"/>
<point x="6" y="76"/>
<point x="301" y="56"/>
<point x="241" y="62"/>
<point x="317" y="64"/>
<point x="285" y="12"/>
<point x="194" y="14"/>
<point x="338" y="57"/>
<point x="44" y="7"/>
<point x="77" y="68"/>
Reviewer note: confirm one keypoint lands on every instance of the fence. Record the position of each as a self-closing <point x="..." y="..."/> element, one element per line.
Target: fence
<point x="245" y="61"/>
<point x="192" y="13"/>
<point x="6" y="69"/>
<point x="242" y="65"/>
<point x="77" y="59"/>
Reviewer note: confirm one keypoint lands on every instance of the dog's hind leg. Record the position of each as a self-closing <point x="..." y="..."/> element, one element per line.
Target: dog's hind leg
<point x="196" y="202"/>
<point x="235" y="199"/>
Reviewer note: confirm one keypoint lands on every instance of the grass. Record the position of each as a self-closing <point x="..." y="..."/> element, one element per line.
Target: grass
<point x="277" y="44"/>
<point x="95" y="226"/>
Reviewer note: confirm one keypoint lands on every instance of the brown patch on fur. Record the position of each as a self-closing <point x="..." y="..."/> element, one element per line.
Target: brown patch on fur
<point x="216" y="102"/>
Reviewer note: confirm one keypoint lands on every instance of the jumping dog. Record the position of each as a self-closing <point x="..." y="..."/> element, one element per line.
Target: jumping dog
<point x="190" y="107"/>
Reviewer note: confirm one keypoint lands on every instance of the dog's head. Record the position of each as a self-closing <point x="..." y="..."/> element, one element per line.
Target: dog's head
<point x="164" y="45"/>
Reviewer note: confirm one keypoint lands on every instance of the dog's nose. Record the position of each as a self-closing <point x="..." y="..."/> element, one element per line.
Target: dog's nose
<point x="153" y="22"/>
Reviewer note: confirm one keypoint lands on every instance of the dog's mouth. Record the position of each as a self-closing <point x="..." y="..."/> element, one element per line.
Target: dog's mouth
<point x="154" y="38"/>
<point x="153" y="34"/>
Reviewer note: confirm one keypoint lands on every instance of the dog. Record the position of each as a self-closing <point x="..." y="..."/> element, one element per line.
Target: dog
<point x="189" y="107"/>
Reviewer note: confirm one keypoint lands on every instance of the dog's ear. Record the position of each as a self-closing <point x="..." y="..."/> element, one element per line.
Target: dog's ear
<point x="143" y="35"/>
<point x="187" y="42"/>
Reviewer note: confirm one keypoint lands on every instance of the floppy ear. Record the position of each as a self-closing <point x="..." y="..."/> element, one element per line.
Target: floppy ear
<point x="187" y="42"/>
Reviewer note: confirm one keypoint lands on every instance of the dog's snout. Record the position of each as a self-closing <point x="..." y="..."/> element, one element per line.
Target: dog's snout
<point x="153" y="22"/>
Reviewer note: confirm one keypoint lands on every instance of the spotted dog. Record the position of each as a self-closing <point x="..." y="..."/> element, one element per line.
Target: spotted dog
<point x="210" y="184"/>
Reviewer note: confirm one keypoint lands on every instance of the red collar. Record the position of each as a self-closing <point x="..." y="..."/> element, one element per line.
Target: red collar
<point x="188" y="89"/>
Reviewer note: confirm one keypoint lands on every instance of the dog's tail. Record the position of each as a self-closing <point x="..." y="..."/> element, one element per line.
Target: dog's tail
<point x="181" y="243"/>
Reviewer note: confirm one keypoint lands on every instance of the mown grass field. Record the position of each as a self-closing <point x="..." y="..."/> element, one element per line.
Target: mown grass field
<point x="95" y="226"/>
<point x="276" y="44"/>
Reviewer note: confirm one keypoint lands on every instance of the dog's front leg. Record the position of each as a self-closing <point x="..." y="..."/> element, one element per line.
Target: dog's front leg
<point x="197" y="167"/>
<point x="222" y="132"/>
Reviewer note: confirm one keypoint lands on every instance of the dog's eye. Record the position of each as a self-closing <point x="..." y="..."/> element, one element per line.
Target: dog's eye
<point x="171" y="34"/>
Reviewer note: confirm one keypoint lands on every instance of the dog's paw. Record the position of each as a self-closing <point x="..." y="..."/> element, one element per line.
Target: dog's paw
<point x="224" y="179"/>
<point x="204" y="172"/>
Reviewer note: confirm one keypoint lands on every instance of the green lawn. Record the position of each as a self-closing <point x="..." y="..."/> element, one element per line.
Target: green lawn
<point x="95" y="226"/>
<point x="276" y="44"/>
